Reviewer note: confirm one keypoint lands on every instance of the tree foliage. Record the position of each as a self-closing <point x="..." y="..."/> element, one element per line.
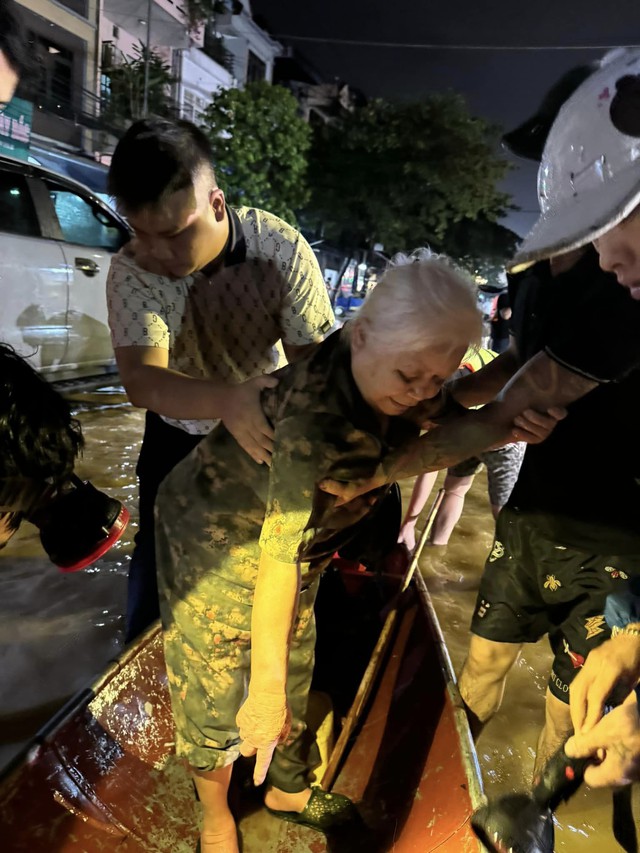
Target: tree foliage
<point x="480" y="245"/>
<point x="403" y="174"/>
<point x="260" y="147"/>
<point x="124" y="100"/>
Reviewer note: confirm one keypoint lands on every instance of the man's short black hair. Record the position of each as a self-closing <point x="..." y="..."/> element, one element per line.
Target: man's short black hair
<point x="156" y="157"/>
<point x="13" y="40"/>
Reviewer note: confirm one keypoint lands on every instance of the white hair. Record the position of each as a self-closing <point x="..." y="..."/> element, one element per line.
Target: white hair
<point x="422" y="300"/>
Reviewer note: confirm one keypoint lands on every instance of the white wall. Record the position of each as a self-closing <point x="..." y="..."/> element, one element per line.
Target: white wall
<point x="241" y="35"/>
<point x="200" y="76"/>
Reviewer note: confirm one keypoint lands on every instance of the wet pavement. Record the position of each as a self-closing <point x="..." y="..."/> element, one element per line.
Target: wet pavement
<point x="58" y="631"/>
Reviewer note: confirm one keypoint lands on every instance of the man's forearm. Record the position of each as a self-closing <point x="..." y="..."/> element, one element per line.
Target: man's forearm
<point x="540" y="384"/>
<point x="476" y="389"/>
<point x="176" y="395"/>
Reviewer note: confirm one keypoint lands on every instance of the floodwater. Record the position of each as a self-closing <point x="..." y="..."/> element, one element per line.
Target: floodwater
<point x="57" y="631"/>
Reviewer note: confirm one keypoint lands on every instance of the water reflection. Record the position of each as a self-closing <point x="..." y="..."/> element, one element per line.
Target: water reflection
<point x="58" y="631"/>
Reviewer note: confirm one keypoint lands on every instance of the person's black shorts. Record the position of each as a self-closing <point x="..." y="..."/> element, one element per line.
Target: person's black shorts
<point x="533" y="586"/>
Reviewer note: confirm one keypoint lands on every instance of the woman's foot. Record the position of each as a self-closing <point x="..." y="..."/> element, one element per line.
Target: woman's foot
<point x="281" y="801"/>
<point x="313" y="807"/>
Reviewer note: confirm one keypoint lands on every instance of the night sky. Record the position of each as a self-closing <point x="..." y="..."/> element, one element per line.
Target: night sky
<point x="504" y="86"/>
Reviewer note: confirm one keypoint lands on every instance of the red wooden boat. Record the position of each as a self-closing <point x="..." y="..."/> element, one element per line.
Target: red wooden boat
<point x="102" y="777"/>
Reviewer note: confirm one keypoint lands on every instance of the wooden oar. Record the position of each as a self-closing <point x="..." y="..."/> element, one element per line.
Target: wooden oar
<point x="377" y="656"/>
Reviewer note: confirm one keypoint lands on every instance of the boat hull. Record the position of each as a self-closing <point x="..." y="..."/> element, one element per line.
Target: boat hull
<point x="102" y="775"/>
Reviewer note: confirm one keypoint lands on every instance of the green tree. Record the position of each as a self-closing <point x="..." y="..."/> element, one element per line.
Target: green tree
<point x="404" y="174"/>
<point x="481" y="245"/>
<point x="123" y="97"/>
<point x="260" y="147"/>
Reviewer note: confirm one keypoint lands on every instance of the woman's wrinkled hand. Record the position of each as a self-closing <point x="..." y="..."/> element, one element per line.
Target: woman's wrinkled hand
<point x="264" y="721"/>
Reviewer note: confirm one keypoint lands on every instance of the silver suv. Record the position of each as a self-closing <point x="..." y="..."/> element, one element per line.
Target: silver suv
<point x="56" y="243"/>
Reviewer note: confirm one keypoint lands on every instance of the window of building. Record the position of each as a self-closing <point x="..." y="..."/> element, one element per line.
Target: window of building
<point x="107" y="55"/>
<point x="256" y="68"/>
<point x="215" y="48"/>
<point x="188" y="105"/>
<point x="201" y="106"/>
<point x="55" y="76"/>
<point x="192" y="106"/>
<point x="17" y="211"/>
<point x="78" y="6"/>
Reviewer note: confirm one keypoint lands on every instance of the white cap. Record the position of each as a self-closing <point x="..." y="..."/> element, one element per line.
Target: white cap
<point x="589" y="178"/>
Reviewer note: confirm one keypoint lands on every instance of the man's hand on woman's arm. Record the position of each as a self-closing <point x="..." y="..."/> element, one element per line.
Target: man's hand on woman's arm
<point x="526" y="410"/>
<point x="152" y="384"/>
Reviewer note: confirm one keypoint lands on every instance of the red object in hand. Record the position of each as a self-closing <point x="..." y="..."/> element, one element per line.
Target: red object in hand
<point x="115" y="532"/>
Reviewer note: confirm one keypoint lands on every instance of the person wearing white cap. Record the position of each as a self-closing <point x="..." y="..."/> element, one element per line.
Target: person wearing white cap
<point x="569" y="538"/>
<point x="589" y="188"/>
<point x="589" y="178"/>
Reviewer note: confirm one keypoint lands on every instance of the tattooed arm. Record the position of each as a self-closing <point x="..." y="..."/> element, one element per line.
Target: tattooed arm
<point x="541" y="385"/>
<point x="482" y="386"/>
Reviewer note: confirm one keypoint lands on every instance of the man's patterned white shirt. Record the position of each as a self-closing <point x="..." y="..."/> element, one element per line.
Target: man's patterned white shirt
<point x="227" y="326"/>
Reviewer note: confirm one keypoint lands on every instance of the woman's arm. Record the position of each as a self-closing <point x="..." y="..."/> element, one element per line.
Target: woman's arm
<point x="526" y="410"/>
<point x="275" y="605"/>
<point x="264" y="718"/>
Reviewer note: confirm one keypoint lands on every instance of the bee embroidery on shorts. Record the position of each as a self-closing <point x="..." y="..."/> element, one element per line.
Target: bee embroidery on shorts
<point x="616" y="573"/>
<point x="552" y="583"/>
<point x="498" y="551"/>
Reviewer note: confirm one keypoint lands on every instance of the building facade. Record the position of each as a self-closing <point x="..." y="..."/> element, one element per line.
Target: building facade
<point x="63" y="36"/>
<point x="81" y="46"/>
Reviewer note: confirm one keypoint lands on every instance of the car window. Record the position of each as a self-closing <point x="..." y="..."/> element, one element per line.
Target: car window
<point x="17" y="211"/>
<point x="84" y="224"/>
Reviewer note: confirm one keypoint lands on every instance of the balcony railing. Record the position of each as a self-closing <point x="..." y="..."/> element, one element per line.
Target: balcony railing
<point x="87" y="110"/>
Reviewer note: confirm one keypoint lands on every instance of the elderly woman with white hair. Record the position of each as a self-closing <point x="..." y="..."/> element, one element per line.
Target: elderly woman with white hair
<point x="241" y="547"/>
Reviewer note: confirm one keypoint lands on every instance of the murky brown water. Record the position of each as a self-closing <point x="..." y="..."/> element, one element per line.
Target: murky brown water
<point x="506" y="747"/>
<point x="58" y="631"/>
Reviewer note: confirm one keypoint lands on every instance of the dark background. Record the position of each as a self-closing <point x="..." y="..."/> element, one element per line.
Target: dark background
<point x="502" y="85"/>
